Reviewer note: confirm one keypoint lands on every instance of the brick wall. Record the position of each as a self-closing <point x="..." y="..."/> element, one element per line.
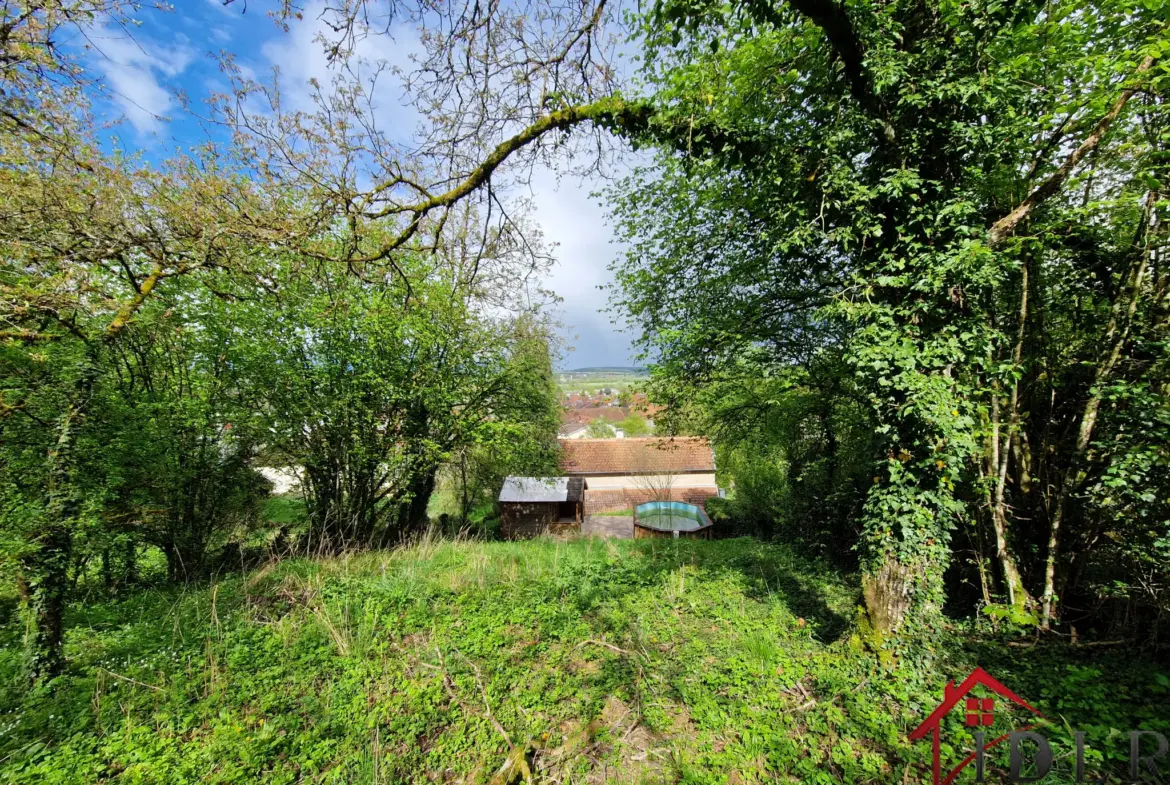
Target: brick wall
<point x="600" y="502"/>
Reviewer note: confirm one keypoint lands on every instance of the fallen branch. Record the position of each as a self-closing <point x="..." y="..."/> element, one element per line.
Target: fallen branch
<point x="1072" y="644"/>
<point x="810" y="701"/>
<point x="132" y="681"/>
<point x="1022" y="644"/>
<point x="516" y="762"/>
<point x="609" y="646"/>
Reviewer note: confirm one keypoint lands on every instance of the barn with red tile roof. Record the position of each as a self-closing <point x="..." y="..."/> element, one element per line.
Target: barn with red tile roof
<point x="622" y="473"/>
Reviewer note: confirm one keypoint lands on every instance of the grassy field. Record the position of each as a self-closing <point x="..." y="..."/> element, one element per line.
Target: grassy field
<point x="593" y="379"/>
<point x="582" y="661"/>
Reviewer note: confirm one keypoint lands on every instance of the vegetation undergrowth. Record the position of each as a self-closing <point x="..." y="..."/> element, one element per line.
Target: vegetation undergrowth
<point x="572" y="661"/>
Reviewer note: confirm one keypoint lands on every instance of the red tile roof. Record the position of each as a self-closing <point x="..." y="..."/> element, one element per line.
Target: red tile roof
<point x="591" y="413"/>
<point x="655" y="455"/>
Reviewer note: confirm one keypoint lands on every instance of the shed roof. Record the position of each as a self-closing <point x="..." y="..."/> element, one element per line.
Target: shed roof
<point x="654" y="455"/>
<point x="542" y="489"/>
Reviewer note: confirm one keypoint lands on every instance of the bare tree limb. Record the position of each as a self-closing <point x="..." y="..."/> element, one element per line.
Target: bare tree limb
<point x="1006" y="226"/>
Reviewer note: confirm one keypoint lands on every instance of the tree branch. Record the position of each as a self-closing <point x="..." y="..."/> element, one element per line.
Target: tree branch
<point x="1006" y="226"/>
<point x="28" y="336"/>
<point x="834" y="22"/>
<point x="614" y="113"/>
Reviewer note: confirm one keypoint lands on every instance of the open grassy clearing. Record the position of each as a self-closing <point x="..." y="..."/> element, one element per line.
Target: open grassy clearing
<point x="584" y="661"/>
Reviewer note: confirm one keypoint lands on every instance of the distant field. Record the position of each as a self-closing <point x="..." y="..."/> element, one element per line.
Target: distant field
<point x="604" y="369"/>
<point x="593" y="379"/>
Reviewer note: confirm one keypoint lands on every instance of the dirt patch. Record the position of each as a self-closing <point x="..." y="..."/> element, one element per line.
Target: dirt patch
<point x="618" y="526"/>
<point x="632" y="753"/>
<point x="587" y="667"/>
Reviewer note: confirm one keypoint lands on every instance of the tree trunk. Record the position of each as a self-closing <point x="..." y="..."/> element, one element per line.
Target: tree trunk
<point x="995" y="500"/>
<point x="887" y="594"/>
<point x="174" y="562"/>
<point x="1018" y="596"/>
<point x="1116" y="336"/>
<point x="415" y="511"/>
<point x="48" y="583"/>
<point x="130" y="566"/>
<point x="107" y="570"/>
<point x="464" y="501"/>
<point x="46" y="569"/>
<point x="184" y="556"/>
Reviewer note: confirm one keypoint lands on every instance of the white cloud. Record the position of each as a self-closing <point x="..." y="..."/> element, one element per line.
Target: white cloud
<point x="568" y="216"/>
<point x="301" y="59"/>
<point x="133" y="67"/>
<point x="575" y="221"/>
<point x="226" y="10"/>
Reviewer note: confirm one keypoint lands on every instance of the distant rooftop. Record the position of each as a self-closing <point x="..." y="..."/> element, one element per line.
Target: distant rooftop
<point x="569" y="428"/>
<point x="590" y="413"/>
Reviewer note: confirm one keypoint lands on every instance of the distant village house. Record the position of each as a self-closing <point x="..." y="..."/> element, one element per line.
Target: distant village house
<point x="620" y="474"/>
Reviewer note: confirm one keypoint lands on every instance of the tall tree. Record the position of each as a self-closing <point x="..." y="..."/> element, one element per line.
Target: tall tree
<point x="923" y="187"/>
<point x="90" y="235"/>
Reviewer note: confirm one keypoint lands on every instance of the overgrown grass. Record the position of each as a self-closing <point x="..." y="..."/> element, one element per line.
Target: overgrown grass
<point x="583" y="661"/>
<point x="287" y="510"/>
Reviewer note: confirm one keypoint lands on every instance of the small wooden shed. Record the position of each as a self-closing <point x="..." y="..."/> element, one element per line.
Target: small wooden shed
<point x="531" y="506"/>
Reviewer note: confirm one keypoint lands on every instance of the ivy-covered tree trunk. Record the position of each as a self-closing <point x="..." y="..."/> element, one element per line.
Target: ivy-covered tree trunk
<point x="887" y="588"/>
<point x="46" y="568"/>
<point x="904" y="551"/>
<point x="47" y="575"/>
<point x="413" y="514"/>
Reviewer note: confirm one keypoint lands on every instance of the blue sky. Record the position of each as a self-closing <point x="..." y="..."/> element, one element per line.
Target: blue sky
<point x="147" y="68"/>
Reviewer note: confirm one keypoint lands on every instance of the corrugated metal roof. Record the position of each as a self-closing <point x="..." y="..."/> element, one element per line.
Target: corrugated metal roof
<point x="535" y="489"/>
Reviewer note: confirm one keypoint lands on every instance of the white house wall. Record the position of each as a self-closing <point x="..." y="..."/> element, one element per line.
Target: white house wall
<point x="621" y="481"/>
